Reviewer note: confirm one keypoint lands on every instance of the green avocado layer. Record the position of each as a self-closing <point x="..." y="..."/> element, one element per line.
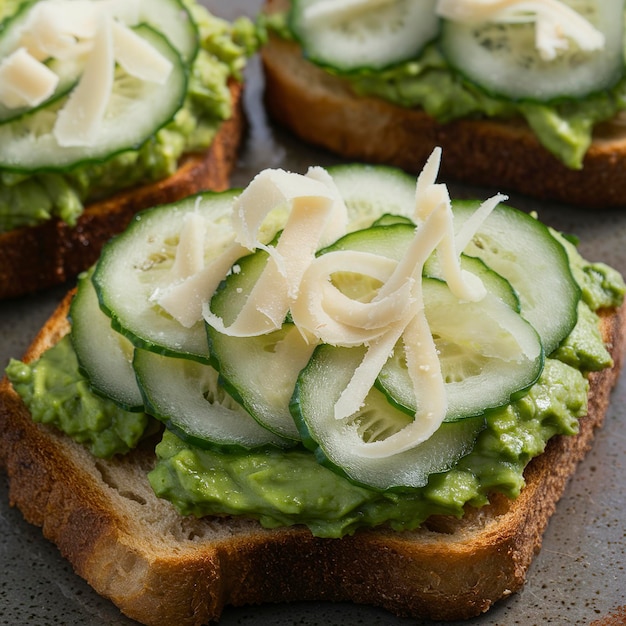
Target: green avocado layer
<point x="289" y="487"/>
<point x="564" y="127"/>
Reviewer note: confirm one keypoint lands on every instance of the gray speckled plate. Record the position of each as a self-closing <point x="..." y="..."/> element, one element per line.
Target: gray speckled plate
<point x="578" y="577"/>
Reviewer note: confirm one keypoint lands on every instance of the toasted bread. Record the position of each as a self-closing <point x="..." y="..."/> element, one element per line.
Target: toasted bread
<point x="161" y="568"/>
<point x="37" y="257"/>
<point x="323" y="110"/>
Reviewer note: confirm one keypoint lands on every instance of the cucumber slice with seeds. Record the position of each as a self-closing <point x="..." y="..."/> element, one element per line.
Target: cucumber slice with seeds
<point x="169" y="17"/>
<point x="503" y="60"/>
<point x="355" y="34"/>
<point x="522" y="249"/>
<point x="482" y="363"/>
<point x="319" y="387"/>
<point x="136" y="263"/>
<point x="372" y="191"/>
<point x="188" y="398"/>
<point x="489" y="354"/>
<point x="136" y="110"/>
<point x="247" y="364"/>
<point x="104" y="355"/>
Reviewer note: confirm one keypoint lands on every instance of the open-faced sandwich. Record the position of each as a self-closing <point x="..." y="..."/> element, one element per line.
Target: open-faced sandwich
<point x="338" y="385"/>
<point x="108" y="107"/>
<point x="525" y="96"/>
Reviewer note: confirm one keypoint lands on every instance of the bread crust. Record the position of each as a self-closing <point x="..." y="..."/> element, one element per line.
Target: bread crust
<point x="322" y="110"/>
<point x="161" y="568"/>
<point x="49" y="254"/>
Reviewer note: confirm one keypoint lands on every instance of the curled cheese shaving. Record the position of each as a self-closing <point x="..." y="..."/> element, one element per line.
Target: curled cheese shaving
<point x="556" y="24"/>
<point x="317" y="215"/>
<point x="191" y="281"/>
<point x="297" y="281"/>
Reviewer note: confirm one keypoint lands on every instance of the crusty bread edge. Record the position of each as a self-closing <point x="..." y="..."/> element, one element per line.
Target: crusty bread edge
<point x="449" y="569"/>
<point x="322" y="110"/>
<point x="38" y="257"/>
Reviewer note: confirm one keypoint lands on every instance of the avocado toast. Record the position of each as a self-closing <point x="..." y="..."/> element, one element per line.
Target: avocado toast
<point x="145" y="138"/>
<point x="563" y="146"/>
<point x="488" y="541"/>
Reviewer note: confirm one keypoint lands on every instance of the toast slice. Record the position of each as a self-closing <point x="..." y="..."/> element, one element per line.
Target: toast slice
<point x="321" y="109"/>
<point x="161" y="568"/>
<point x="37" y="257"/>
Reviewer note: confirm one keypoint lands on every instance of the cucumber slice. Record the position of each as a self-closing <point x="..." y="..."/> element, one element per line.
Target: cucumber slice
<point x="133" y="265"/>
<point x="187" y="397"/>
<point x="247" y="364"/>
<point x="169" y="17"/>
<point x="104" y="356"/>
<point x="318" y="389"/>
<point x="136" y="110"/>
<point x="489" y="354"/>
<point x="373" y="191"/>
<point x="363" y="34"/>
<point x="548" y="303"/>
<point x="480" y="356"/>
<point x="502" y="58"/>
<point x="522" y="249"/>
<point x="173" y="19"/>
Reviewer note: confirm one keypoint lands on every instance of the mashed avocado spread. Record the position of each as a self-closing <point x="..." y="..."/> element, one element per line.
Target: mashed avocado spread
<point x="291" y="487"/>
<point x="28" y="199"/>
<point x="564" y="127"/>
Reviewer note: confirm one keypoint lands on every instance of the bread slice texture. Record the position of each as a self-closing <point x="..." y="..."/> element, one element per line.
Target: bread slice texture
<point x="322" y="109"/>
<point x="49" y="254"/>
<point x="162" y="568"/>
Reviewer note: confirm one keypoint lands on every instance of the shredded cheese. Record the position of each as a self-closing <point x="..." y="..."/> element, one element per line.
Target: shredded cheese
<point x="78" y="122"/>
<point x="298" y="282"/>
<point x="87" y="34"/>
<point x="185" y="297"/>
<point x="316" y="215"/>
<point x="556" y="24"/>
<point x="138" y="57"/>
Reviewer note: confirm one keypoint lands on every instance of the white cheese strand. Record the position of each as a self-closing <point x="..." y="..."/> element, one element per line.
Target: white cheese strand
<point x="429" y="196"/>
<point x="78" y="122"/>
<point x="326" y="314"/>
<point x="273" y="188"/>
<point x="471" y="226"/>
<point x="425" y="371"/>
<point x="316" y="213"/>
<point x="426" y="239"/>
<point x="337" y="222"/>
<point x="556" y="24"/>
<point x="378" y="352"/>
<point x="138" y="57"/>
<point x="54" y="27"/>
<point x="191" y="282"/>
<point x="24" y="81"/>
<point x="185" y="300"/>
<point x="189" y="257"/>
<point x="335" y="319"/>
